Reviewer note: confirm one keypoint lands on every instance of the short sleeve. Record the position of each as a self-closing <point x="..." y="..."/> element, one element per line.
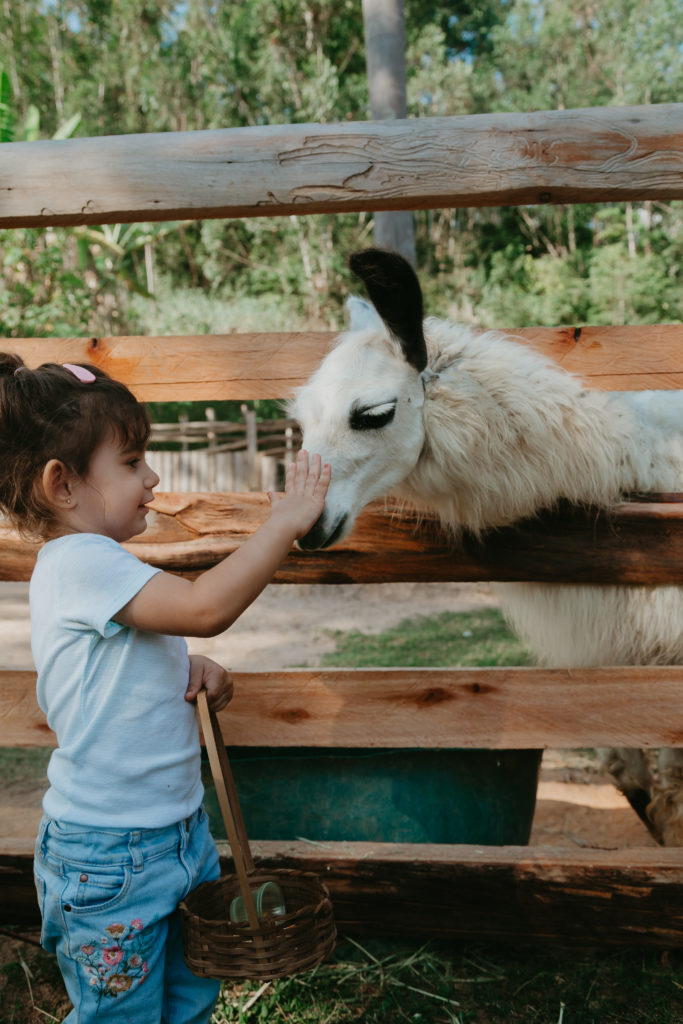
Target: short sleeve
<point x="97" y="578"/>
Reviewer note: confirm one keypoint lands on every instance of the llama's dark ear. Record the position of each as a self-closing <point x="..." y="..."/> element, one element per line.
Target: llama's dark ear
<point x="395" y="292"/>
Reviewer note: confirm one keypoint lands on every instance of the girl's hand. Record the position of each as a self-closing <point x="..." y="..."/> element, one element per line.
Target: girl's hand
<point x="305" y="491"/>
<point x="208" y="675"/>
<point x="210" y="604"/>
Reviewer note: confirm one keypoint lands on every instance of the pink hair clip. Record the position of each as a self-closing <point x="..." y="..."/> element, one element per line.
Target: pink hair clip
<point x="80" y="373"/>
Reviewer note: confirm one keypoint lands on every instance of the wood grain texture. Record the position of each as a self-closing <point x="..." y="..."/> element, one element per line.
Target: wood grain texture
<point x="476" y="708"/>
<point x="497" y="893"/>
<point x="559" y="156"/>
<point x="271" y="365"/>
<point x="638" y="542"/>
<point x="509" y="893"/>
<point x="191" y="367"/>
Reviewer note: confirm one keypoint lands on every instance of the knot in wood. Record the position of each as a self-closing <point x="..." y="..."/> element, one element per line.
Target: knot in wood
<point x="294" y="715"/>
<point x="435" y="695"/>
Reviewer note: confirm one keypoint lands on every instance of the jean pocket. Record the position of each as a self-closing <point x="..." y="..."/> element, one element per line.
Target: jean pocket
<point x="41" y="892"/>
<point x="93" y="890"/>
<point x="39" y="883"/>
<point x="49" y="885"/>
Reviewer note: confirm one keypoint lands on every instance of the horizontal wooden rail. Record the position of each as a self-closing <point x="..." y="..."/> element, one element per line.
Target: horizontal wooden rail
<point x="245" y="366"/>
<point x="476" y="708"/>
<point x="504" y="893"/>
<point x="638" y="542"/>
<point x="193" y="367"/>
<point x="559" y="156"/>
<point x="508" y="893"/>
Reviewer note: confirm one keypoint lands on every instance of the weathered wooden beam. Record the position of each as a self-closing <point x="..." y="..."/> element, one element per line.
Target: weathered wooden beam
<point x="511" y="894"/>
<point x="244" y="366"/>
<point x="191" y="367"/>
<point x="270" y="366"/>
<point x="629" y="897"/>
<point x="638" y="542"/>
<point x="476" y="708"/>
<point x="595" y="154"/>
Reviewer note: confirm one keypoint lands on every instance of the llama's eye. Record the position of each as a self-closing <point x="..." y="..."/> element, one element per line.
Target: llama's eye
<point x="372" y="418"/>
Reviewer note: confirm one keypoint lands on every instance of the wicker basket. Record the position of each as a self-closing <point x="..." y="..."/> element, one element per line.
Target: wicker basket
<point x="214" y="946"/>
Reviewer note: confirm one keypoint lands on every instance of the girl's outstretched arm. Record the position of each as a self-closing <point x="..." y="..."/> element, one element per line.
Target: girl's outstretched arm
<point x="210" y="604"/>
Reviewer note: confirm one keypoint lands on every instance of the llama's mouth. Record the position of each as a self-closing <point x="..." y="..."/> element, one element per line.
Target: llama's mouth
<point x="320" y="536"/>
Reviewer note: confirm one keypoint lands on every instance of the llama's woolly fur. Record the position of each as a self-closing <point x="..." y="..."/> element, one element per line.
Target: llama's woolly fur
<point x="495" y="433"/>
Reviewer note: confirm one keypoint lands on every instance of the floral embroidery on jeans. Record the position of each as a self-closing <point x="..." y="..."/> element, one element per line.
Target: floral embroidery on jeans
<point x="115" y="962"/>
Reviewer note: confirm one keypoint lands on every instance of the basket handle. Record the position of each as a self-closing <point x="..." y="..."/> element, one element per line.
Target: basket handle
<point x="228" y="802"/>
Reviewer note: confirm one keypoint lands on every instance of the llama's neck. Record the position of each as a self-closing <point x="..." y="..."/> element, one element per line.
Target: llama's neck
<point x="508" y="433"/>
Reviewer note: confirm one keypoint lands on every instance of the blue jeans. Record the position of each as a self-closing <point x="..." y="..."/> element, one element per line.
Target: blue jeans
<point x="108" y="900"/>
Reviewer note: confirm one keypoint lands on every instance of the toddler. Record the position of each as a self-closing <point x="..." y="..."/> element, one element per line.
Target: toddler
<point x="124" y="836"/>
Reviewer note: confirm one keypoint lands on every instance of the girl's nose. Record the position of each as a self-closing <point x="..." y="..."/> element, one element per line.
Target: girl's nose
<point x="152" y="478"/>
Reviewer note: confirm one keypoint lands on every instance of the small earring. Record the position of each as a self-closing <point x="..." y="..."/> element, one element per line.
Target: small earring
<point x="68" y="501"/>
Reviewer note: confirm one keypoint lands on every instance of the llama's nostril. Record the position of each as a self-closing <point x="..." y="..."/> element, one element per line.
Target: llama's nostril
<point x="322" y="534"/>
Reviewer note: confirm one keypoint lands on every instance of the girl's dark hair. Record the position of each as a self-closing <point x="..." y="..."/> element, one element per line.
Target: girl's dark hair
<point x="48" y="413"/>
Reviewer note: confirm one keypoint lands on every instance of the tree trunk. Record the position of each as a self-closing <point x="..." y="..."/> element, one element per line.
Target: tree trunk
<point x="385" y="57"/>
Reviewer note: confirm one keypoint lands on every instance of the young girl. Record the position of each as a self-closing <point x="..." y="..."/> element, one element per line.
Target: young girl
<point x="123" y="837"/>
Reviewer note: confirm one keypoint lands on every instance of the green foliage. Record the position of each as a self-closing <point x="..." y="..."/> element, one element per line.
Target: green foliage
<point x="97" y="67"/>
<point x="176" y="309"/>
<point x="226" y="411"/>
<point x="6" y="113"/>
<point x="51" y="286"/>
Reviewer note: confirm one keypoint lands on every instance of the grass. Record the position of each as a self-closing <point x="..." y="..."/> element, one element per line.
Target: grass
<point x="383" y="982"/>
<point x="23" y="764"/>
<point x="377" y="981"/>
<point x="468" y="639"/>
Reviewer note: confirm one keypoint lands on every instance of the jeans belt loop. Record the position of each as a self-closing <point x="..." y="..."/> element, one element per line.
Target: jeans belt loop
<point x="135" y="851"/>
<point x="42" y="835"/>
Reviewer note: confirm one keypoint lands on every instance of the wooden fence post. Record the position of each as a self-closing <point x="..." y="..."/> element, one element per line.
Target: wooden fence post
<point x="211" y="456"/>
<point x="252" y="473"/>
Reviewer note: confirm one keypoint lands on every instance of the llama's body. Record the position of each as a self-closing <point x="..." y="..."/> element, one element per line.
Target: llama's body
<point x="527" y="435"/>
<point x="483" y="431"/>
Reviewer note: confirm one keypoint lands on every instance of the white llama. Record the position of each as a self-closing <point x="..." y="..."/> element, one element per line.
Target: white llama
<point x="484" y="431"/>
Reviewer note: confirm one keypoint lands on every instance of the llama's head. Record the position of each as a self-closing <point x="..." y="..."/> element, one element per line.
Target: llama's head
<point x="362" y="409"/>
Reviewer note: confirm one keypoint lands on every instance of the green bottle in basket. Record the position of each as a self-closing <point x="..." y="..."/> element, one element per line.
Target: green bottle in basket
<point x="269" y="902"/>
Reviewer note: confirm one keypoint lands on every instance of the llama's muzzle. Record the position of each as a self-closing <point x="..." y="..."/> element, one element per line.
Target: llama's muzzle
<point x="322" y="534"/>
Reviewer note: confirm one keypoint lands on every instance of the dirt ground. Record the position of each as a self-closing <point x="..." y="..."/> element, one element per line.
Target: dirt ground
<point x="292" y="625"/>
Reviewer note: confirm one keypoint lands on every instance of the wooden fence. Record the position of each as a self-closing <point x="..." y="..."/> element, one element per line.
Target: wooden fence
<point x="558" y="156"/>
<point x="210" y="455"/>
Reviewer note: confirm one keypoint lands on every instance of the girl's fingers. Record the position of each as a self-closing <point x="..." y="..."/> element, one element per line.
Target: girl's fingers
<point x="304" y="478"/>
<point x="306" y="473"/>
<point x="325" y="477"/>
<point x="290" y="477"/>
<point x="300" y="470"/>
<point x="313" y="475"/>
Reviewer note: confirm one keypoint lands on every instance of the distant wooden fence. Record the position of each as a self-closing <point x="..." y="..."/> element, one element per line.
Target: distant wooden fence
<point x="569" y="156"/>
<point x="212" y="455"/>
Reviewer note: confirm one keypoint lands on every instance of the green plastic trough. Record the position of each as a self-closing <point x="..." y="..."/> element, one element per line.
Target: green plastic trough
<point x="481" y="797"/>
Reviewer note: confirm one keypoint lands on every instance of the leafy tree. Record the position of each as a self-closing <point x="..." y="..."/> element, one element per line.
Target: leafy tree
<point x="137" y="66"/>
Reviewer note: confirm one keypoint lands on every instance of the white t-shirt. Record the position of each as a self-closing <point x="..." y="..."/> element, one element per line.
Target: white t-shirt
<point x="128" y="752"/>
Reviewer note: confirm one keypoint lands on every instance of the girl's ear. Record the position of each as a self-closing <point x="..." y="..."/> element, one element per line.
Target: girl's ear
<point x="57" y="481"/>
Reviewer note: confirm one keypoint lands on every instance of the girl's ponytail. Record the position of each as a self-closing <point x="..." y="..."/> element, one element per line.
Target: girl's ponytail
<point x="10" y="363"/>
